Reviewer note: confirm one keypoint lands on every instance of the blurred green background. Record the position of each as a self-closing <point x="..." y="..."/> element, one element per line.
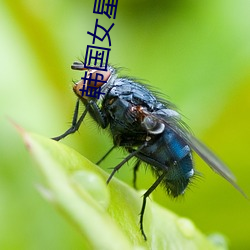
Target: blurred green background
<point x="195" y="52"/>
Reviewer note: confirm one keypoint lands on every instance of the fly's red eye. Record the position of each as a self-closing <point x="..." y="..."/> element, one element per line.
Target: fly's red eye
<point x="91" y="83"/>
<point x="99" y="77"/>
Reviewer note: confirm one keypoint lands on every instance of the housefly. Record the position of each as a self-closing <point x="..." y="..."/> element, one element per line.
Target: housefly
<point x="149" y="128"/>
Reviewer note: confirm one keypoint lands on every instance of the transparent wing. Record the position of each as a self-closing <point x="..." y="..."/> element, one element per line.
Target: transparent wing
<point x="175" y="124"/>
<point x="207" y="155"/>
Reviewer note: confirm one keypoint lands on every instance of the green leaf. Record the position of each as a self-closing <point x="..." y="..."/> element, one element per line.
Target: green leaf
<point x="106" y="215"/>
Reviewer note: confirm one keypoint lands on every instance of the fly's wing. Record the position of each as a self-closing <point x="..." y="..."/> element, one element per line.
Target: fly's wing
<point x="175" y="124"/>
<point x="212" y="160"/>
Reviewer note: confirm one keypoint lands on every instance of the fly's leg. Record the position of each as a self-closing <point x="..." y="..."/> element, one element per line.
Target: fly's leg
<point x="97" y="114"/>
<point x="91" y="107"/>
<point x="75" y="124"/>
<point x="136" y="167"/>
<point x="125" y="160"/>
<point x="105" y="155"/>
<point x="145" y="196"/>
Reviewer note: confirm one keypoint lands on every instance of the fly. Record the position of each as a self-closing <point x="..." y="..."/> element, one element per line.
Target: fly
<point x="149" y="128"/>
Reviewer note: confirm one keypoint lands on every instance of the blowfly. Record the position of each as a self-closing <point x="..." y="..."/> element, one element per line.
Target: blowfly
<point x="148" y="127"/>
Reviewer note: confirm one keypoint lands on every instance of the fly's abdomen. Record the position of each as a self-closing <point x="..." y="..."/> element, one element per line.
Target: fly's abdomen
<point x="168" y="154"/>
<point x="178" y="176"/>
<point x="180" y="166"/>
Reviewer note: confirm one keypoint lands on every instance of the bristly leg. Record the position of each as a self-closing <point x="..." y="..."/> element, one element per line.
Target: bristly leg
<point x="94" y="111"/>
<point x="75" y="124"/>
<point x="135" y="169"/>
<point x="145" y="196"/>
<point x="105" y="155"/>
<point x="125" y="160"/>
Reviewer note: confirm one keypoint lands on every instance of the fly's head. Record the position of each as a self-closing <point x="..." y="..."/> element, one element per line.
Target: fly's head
<point x="93" y="81"/>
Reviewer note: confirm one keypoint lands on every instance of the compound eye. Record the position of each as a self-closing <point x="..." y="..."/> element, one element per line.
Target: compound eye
<point x="93" y="78"/>
<point x="98" y="77"/>
<point x="153" y="126"/>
